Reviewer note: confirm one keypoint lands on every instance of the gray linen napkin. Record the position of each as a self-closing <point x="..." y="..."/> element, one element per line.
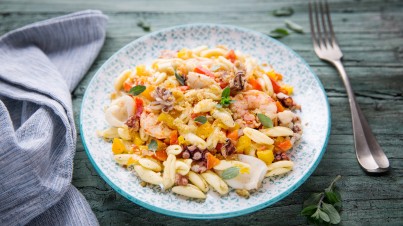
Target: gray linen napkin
<point x="40" y="65"/>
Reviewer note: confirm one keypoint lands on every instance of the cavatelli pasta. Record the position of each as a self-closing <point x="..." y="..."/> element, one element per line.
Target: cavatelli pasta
<point x="202" y="118"/>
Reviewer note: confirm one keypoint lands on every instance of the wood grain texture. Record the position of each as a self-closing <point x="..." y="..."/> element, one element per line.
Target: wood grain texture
<point x="370" y="33"/>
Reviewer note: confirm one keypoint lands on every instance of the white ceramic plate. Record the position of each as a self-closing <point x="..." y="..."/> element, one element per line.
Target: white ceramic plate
<point x="309" y="93"/>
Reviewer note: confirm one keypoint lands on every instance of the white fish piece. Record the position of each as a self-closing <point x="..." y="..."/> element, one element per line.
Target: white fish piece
<point x="251" y="180"/>
<point x="119" y="111"/>
<point x="285" y="117"/>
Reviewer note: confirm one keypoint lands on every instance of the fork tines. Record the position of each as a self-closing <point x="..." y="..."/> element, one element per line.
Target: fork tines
<point x="320" y="18"/>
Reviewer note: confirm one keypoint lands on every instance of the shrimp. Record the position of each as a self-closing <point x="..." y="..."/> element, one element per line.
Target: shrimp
<point x="247" y="104"/>
<point x="149" y="122"/>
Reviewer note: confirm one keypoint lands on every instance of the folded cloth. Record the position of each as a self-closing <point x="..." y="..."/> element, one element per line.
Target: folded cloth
<point x="40" y="65"/>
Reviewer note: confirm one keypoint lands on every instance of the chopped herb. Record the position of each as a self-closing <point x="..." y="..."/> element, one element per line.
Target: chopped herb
<point x="278" y="33"/>
<point x="230" y="173"/>
<point x="266" y="121"/>
<point x="324" y="206"/>
<point x="201" y="119"/>
<point x="293" y="26"/>
<point x="225" y="98"/>
<point x="285" y="11"/>
<point x="180" y="78"/>
<point x="137" y="90"/>
<point x="145" y="25"/>
<point x="153" y="145"/>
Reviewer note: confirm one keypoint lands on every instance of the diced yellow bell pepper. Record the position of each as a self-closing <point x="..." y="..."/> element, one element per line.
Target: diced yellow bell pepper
<point x="167" y="119"/>
<point x="136" y="139"/>
<point x="185" y="53"/>
<point x="266" y="156"/>
<point x="244" y="142"/>
<point x="118" y="147"/>
<point x="161" y="145"/>
<point x="181" y="140"/>
<point x="131" y="161"/>
<point x="141" y="70"/>
<point x="204" y="130"/>
<point x="147" y="93"/>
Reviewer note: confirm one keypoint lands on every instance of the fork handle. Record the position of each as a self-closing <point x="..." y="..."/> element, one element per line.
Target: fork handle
<point x="369" y="154"/>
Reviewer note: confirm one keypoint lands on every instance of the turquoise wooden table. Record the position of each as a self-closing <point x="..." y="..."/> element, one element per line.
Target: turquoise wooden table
<point x="370" y="33"/>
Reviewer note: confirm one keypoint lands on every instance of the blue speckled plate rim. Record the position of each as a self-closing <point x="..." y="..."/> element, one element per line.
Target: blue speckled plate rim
<point x="220" y="215"/>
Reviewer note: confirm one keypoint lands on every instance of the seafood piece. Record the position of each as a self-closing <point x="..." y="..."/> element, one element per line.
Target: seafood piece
<point x="120" y="110"/>
<point x="198" y="81"/>
<point x="149" y="122"/>
<point x="248" y="104"/>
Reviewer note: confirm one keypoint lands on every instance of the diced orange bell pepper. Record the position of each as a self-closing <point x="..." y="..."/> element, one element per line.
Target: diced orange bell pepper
<point x="127" y="85"/>
<point x="284" y="146"/>
<point x="201" y="70"/>
<point x="139" y="107"/>
<point x="280" y="107"/>
<point x="161" y="155"/>
<point x="233" y="135"/>
<point x="276" y="86"/>
<point x="211" y="160"/>
<point x="255" y="84"/>
<point x="173" y="138"/>
<point x="231" y="56"/>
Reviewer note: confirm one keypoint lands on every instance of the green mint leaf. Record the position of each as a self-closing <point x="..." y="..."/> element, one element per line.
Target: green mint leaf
<point x="266" y="121"/>
<point x="230" y="173"/>
<point x="309" y="210"/>
<point x="137" y="90"/>
<point x="332" y="197"/>
<point x="144" y="24"/>
<point x="153" y="145"/>
<point x="331" y="186"/>
<point x="316" y="215"/>
<point x="284" y="11"/>
<point x="294" y="26"/>
<point x="201" y="119"/>
<point x="180" y="79"/>
<point x="225" y="93"/>
<point x="338" y="206"/>
<point x="313" y="199"/>
<point x="225" y="98"/>
<point x="334" y="216"/>
<point x="324" y="216"/>
<point x="278" y="33"/>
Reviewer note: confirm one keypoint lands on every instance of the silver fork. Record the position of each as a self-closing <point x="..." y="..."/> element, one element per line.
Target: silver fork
<point x="369" y="154"/>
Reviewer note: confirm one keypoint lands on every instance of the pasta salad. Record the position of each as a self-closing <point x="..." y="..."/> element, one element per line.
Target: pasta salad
<point x="203" y="118"/>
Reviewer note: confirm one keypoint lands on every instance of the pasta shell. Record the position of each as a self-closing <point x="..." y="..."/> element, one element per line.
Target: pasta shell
<point x="189" y="191"/>
<point x="123" y="159"/>
<point x="277" y="171"/>
<point x="148" y="176"/>
<point x="224" y="117"/>
<point x="205" y="105"/>
<point x="216" y="182"/>
<point x="151" y="164"/>
<point x="118" y="83"/>
<point x="278" y="131"/>
<point x="257" y="136"/>
<point x="169" y="172"/>
<point x="182" y="168"/>
<point x="280" y="164"/>
<point x="174" y="149"/>
<point x="198" y="181"/>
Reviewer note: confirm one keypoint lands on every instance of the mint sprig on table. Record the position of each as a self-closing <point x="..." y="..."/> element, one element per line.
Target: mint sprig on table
<point x="324" y="207"/>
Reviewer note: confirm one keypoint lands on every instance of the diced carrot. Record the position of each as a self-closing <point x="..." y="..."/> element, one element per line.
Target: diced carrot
<point x="183" y="88"/>
<point x="201" y="70"/>
<point x="223" y="85"/>
<point x="211" y="160"/>
<point x="139" y="107"/>
<point x="231" y="56"/>
<point x="233" y="135"/>
<point x="194" y="115"/>
<point x="280" y="107"/>
<point x="285" y="145"/>
<point x="255" y="84"/>
<point x="127" y="85"/>
<point x="161" y="155"/>
<point x="276" y="86"/>
<point x="173" y="138"/>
